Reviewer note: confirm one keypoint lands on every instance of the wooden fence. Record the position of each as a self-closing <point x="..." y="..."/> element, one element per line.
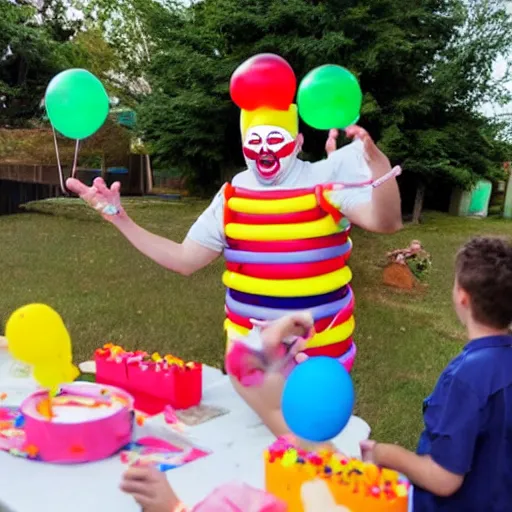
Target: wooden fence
<point x="21" y="183"/>
<point x="28" y="173"/>
<point x="15" y="193"/>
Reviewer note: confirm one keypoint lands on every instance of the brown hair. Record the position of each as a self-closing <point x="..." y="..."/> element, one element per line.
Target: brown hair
<point x="484" y="270"/>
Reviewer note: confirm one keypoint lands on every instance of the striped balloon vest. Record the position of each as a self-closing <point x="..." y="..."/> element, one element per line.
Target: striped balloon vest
<point x="287" y="250"/>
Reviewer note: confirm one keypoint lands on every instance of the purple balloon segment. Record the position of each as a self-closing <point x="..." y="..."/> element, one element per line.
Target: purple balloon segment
<point x="348" y="358"/>
<point x="263" y="313"/>
<point x="288" y="302"/>
<point x="310" y="256"/>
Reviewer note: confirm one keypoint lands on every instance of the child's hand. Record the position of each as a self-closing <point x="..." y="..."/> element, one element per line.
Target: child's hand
<point x="368" y="450"/>
<point x="294" y="325"/>
<point x="150" y="489"/>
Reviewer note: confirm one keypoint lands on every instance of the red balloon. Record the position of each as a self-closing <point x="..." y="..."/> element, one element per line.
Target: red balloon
<point x="265" y="80"/>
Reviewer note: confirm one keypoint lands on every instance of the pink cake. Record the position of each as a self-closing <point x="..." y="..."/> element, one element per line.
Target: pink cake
<point x="89" y="422"/>
<point x="154" y="381"/>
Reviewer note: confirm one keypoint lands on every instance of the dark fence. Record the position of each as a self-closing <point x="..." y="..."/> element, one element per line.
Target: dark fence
<point x="21" y="183"/>
<point x="29" y="173"/>
<point x="15" y="193"/>
<point x="170" y="182"/>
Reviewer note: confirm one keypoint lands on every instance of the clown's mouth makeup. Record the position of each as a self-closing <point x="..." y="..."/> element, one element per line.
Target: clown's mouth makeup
<point x="269" y="153"/>
<point x="268" y="164"/>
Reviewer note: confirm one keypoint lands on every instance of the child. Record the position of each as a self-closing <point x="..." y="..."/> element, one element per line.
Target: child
<point x="464" y="457"/>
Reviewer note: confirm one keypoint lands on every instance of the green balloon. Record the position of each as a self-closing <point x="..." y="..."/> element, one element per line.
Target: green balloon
<point x="329" y="97"/>
<point x="77" y="103"/>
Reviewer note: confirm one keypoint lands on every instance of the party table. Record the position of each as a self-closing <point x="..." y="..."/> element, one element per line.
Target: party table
<point x="236" y="439"/>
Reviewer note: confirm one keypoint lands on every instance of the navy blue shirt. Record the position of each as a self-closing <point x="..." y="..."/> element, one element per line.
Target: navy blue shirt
<point x="468" y="429"/>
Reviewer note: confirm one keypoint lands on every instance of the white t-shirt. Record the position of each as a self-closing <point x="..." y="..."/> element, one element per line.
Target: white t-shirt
<point x="346" y="165"/>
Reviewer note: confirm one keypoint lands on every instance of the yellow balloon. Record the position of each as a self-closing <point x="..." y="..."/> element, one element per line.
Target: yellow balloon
<point x="36" y="333"/>
<point x="51" y="376"/>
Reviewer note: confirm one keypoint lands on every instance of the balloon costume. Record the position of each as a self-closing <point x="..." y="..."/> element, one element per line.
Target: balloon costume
<point x="287" y="249"/>
<point x="277" y="264"/>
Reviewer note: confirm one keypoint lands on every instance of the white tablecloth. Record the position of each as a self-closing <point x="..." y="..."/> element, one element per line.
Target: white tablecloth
<point x="237" y="440"/>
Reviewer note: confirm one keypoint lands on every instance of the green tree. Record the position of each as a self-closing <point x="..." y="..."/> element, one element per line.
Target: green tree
<point x="449" y="142"/>
<point x="123" y="26"/>
<point x="30" y="57"/>
<point x="37" y="42"/>
<point x="425" y="67"/>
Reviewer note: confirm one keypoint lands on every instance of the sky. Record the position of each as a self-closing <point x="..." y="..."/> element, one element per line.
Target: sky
<point x="500" y="67"/>
<point x="489" y="109"/>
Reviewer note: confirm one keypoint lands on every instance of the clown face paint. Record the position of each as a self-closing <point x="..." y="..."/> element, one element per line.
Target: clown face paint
<point x="269" y="152"/>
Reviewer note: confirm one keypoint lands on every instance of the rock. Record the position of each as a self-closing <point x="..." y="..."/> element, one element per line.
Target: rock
<point x="398" y="276"/>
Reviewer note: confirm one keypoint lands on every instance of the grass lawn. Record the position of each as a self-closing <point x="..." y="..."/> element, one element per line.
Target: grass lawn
<point x="107" y="291"/>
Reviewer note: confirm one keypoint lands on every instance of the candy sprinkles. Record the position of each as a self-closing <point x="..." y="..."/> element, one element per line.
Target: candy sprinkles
<point x="154" y="381"/>
<point x="351" y="481"/>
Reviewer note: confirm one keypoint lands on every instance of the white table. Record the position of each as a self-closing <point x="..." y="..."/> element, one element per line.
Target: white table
<point x="237" y="440"/>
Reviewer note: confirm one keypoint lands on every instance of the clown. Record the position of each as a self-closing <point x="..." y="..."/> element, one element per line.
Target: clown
<point x="285" y="237"/>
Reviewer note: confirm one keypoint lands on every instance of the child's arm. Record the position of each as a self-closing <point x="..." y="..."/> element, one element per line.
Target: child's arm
<point x="421" y="470"/>
<point x="452" y="422"/>
<point x="151" y="490"/>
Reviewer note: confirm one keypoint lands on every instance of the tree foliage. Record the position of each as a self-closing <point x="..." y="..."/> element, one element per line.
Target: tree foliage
<point x="29" y="57"/>
<point x="38" y="40"/>
<point x="425" y="68"/>
<point x="122" y="23"/>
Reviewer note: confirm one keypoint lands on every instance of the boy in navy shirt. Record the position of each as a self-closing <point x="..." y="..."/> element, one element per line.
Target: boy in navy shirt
<point x="464" y="457"/>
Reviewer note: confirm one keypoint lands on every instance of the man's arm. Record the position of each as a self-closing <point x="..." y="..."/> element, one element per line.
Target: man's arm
<point x="379" y="209"/>
<point x="421" y="470"/>
<point x="204" y="243"/>
<point x="384" y="213"/>
<point x="185" y="258"/>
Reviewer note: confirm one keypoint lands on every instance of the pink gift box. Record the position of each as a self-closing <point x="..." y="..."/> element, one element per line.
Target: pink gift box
<point x="240" y="497"/>
<point x="144" y="378"/>
<point x="153" y="385"/>
<point x="114" y="373"/>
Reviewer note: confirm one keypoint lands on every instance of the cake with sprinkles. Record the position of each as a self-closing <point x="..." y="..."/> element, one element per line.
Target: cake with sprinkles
<point x="355" y="485"/>
<point x="153" y="380"/>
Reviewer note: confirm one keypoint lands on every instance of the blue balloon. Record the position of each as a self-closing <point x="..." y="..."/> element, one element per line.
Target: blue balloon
<point x="318" y="399"/>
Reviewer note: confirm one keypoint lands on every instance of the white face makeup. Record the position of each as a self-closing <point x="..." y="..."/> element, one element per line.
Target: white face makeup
<point x="269" y="152"/>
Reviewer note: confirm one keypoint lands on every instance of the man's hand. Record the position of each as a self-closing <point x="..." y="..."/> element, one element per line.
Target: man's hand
<point x="383" y="214"/>
<point x="377" y="161"/>
<point x="150" y="489"/>
<point x="331" y="145"/>
<point x="107" y="201"/>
